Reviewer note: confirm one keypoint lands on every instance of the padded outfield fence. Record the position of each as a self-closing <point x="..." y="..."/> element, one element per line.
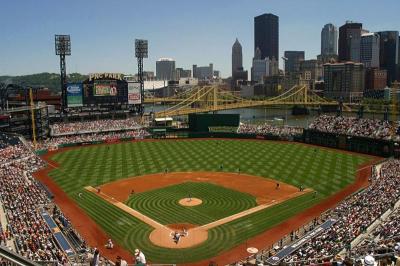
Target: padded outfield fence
<point x="382" y="148"/>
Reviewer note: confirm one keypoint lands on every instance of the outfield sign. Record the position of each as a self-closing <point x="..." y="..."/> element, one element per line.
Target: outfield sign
<point x="105" y="88"/>
<point x="134" y="93"/>
<point x="74" y="94"/>
<point x="118" y="76"/>
<point x="275" y="260"/>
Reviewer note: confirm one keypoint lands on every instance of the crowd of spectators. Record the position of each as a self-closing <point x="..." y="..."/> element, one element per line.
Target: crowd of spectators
<point x="354" y="215"/>
<point x="23" y="200"/>
<point x="14" y="152"/>
<point x="71" y="128"/>
<point x="55" y="141"/>
<point x="390" y="228"/>
<point x="353" y="126"/>
<point x="22" y="197"/>
<point x="267" y="129"/>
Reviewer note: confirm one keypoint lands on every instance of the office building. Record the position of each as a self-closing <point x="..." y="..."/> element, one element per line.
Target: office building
<point x="183" y="73"/>
<point x="237" y="57"/>
<point x="398" y="61"/>
<point x="369" y="54"/>
<point x="344" y="81"/>
<point x="203" y="72"/>
<point x="389" y="54"/>
<point x="273" y="66"/>
<point x="324" y="59"/>
<point x="292" y="60"/>
<point x="266" y="35"/>
<point x="349" y="42"/>
<point x="329" y="40"/>
<point x="260" y="69"/>
<point x="165" y="69"/>
<point x="240" y="76"/>
<point x="238" y="73"/>
<point x="375" y="79"/>
<point x="314" y="66"/>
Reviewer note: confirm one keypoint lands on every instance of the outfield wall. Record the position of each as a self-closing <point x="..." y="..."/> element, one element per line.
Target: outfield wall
<point x="382" y="148"/>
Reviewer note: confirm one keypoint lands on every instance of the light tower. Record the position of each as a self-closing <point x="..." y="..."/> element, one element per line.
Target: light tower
<point x="141" y="51"/>
<point x="63" y="48"/>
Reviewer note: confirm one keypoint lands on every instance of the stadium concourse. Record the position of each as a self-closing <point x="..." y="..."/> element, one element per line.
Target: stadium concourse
<point x="362" y="229"/>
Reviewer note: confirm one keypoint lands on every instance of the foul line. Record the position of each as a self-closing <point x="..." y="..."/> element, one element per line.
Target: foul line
<point x="208" y="226"/>
<point x="126" y="208"/>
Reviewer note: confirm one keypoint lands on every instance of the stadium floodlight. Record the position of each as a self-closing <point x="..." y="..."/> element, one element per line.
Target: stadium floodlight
<point x="141" y="48"/>
<point x="63" y="48"/>
<point x="63" y="44"/>
<point x="141" y="51"/>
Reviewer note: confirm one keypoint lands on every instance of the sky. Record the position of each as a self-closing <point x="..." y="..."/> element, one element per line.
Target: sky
<point x="191" y="32"/>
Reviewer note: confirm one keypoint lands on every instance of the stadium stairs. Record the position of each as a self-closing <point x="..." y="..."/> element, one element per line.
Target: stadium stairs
<point x="14" y="258"/>
<point x="372" y="227"/>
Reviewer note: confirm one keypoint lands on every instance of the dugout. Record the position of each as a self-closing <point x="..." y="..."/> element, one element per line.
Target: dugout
<point x="202" y="122"/>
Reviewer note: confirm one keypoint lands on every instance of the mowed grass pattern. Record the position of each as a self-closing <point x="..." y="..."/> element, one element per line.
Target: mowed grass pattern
<point x="325" y="171"/>
<point x="163" y="206"/>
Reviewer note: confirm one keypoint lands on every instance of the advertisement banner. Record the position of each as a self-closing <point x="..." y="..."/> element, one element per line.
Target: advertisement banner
<point x="134" y="93"/>
<point x="74" y="94"/>
<point x="105" y="88"/>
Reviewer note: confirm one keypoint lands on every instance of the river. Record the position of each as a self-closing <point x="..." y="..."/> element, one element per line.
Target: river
<point x="271" y="115"/>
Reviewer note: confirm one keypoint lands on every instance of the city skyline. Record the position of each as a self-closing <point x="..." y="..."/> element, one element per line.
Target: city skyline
<point x="106" y="45"/>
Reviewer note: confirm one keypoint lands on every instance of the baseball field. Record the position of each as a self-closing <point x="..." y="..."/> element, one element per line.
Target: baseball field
<point x="138" y="186"/>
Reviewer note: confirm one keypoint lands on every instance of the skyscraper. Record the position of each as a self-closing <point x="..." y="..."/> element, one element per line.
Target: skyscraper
<point x="293" y="59"/>
<point x="238" y="73"/>
<point x="237" y="57"/>
<point x="329" y="39"/>
<point x="369" y="54"/>
<point x="398" y="62"/>
<point x="165" y="69"/>
<point x="266" y="35"/>
<point x="203" y="72"/>
<point x="349" y="41"/>
<point x="388" y="53"/>
<point x="344" y="80"/>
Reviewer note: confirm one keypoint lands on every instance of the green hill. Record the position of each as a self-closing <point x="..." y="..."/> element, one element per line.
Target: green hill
<point x="48" y="80"/>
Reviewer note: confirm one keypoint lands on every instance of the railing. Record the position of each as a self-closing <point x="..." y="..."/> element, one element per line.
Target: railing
<point x="12" y="258"/>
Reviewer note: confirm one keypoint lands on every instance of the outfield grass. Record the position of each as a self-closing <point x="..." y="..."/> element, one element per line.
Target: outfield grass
<point x="218" y="202"/>
<point x="325" y="171"/>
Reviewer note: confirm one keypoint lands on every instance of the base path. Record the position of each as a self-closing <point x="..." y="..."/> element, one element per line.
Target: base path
<point x="267" y="239"/>
<point x="95" y="236"/>
<point x="265" y="190"/>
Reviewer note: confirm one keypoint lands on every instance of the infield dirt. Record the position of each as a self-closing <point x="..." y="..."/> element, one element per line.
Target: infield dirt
<point x="96" y="237"/>
<point x="268" y="193"/>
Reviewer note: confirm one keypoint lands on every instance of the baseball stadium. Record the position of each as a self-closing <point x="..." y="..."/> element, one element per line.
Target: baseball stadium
<point x="113" y="170"/>
<point x="219" y="191"/>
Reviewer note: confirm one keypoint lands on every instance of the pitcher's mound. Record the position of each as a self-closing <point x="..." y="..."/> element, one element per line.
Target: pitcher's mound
<point x="190" y="202"/>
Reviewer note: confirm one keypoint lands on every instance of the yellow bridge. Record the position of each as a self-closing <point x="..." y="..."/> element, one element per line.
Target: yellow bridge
<point x="214" y="98"/>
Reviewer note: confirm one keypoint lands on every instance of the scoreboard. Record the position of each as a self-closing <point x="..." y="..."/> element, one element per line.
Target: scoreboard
<point x="105" y="92"/>
<point x="104" y="89"/>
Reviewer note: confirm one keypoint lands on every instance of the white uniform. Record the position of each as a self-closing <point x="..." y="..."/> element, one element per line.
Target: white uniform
<point x="140" y="258"/>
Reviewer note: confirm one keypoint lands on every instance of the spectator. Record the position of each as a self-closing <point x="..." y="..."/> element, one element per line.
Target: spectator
<point x="106" y="125"/>
<point x="360" y="127"/>
<point x="266" y="129"/>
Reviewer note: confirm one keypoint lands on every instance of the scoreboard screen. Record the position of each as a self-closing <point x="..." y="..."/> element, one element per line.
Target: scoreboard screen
<point x="105" y="92"/>
<point x="105" y="88"/>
